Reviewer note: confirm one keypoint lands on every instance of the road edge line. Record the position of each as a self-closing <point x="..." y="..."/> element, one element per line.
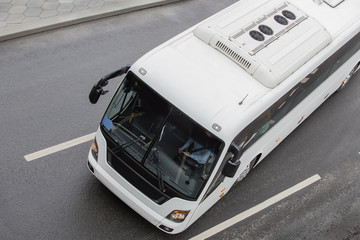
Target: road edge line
<point x="251" y="211"/>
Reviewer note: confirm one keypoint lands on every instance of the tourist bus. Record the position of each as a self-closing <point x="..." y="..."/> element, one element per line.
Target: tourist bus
<point x="194" y="115"/>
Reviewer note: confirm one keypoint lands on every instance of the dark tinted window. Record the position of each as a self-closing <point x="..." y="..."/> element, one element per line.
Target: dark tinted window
<point x="298" y="93"/>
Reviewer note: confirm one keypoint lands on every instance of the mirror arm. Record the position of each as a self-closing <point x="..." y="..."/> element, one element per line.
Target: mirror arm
<point x="97" y="90"/>
<point x="235" y="150"/>
<point x="104" y="81"/>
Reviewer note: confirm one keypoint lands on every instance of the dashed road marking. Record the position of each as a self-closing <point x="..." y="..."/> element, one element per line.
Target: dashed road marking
<point x="59" y="147"/>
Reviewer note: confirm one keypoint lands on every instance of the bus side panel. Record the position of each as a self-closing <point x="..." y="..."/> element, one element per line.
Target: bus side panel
<point x="297" y="115"/>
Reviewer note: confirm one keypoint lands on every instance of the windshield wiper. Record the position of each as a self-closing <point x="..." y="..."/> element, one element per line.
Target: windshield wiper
<point x="128" y="144"/>
<point x="159" y="174"/>
<point x="160" y="180"/>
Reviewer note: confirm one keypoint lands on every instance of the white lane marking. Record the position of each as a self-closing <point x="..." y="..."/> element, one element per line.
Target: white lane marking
<point x="59" y="147"/>
<point x="228" y="223"/>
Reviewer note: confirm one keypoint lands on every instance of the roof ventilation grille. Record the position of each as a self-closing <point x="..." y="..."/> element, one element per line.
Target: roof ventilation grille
<point x="233" y="55"/>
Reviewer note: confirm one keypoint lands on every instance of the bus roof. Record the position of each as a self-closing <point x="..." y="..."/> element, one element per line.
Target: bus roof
<point x="271" y="39"/>
<point x="334" y="19"/>
<point x="231" y="60"/>
<point x="200" y="82"/>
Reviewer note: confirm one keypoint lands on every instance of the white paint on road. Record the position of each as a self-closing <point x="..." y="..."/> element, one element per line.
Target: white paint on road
<point x="236" y="219"/>
<point x="212" y="231"/>
<point x="59" y="147"/>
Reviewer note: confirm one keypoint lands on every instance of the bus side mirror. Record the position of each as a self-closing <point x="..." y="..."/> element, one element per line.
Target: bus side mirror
<point x="95" y="94"/>
<point x="231" y="167"/>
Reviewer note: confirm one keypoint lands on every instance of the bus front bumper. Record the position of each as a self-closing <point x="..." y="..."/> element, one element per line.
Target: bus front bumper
<point x="132" y="201"/>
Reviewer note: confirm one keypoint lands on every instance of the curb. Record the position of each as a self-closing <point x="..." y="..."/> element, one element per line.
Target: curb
<point x="64" y="20"/>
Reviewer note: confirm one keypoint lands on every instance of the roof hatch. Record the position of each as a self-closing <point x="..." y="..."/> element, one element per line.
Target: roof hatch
<point x="333" y="3"/>
<point x="270" y="39"/>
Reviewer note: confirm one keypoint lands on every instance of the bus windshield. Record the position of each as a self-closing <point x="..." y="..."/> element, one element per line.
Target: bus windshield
<point x="163" y="140"/>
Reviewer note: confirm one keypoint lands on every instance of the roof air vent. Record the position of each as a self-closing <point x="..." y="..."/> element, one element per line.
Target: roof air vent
<point x="281" y="20"/>
<point x="289" y="15"/>
<point x="266" y="30"/>
<point x="269" y="39"/>
<point x="257" y="35"/>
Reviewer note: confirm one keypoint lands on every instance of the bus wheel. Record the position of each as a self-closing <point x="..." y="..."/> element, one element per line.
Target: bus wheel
<point x="248" y="168"/>
<point x="345" y="81"/>
<point x="254" y="161"/>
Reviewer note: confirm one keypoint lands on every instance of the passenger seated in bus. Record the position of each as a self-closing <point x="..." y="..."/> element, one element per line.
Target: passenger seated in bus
<point x="268" y="123"/>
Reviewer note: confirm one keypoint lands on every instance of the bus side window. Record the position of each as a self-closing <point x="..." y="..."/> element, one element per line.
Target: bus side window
<point x="345" y="52"/>
<point x="219" y="177"/>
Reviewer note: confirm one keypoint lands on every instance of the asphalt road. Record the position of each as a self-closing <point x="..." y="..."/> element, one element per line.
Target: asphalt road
<point x="44" y="87"/>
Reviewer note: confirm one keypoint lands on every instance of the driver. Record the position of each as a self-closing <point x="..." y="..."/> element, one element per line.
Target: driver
<point x="197" y="149"/>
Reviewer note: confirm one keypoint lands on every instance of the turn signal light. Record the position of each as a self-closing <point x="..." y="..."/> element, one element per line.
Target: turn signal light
<point x="95" y="149"/>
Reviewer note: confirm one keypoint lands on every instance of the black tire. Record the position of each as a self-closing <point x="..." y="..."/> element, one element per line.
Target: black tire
<point x="254" y="161"/>
<point x="346" y="80"/>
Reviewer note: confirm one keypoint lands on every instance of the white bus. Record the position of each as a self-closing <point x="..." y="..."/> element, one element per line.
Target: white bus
<point x="196" y="114"/>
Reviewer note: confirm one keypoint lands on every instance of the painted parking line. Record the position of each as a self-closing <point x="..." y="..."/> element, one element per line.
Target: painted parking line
<point x="238" y="218"/>
<point x="59" y="147"/>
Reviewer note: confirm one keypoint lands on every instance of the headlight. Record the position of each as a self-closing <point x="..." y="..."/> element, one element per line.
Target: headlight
<point x="178" y="215"/>
<point x="95" y="149"/>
